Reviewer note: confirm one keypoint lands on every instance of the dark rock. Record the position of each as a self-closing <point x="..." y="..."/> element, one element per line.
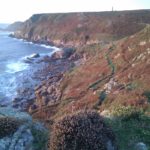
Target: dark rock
<point x="32" y="58"/>
<point x="34" y="55"/>
<point x="28" y="61"/>
<point x="63" y="53"/>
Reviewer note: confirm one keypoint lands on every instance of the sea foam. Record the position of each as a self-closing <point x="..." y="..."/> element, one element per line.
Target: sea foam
<point x="14" y="67"/>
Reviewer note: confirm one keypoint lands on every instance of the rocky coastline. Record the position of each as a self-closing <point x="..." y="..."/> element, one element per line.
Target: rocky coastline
<point x="40" y="86"/>
<point x="46" y="41"/>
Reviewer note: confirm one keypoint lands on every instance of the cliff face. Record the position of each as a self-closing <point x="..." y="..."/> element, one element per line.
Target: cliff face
<point x="80" y="28"/>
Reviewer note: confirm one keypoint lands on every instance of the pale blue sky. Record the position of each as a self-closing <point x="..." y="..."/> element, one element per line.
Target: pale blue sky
<point x="20" y="10"/>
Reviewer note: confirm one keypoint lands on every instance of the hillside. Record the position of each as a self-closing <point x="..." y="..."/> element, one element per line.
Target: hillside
<point x="110" y="71"/>
<point x="79" y="28"/>
<point x="109" y="79"/>
<point x="13" y="27"/>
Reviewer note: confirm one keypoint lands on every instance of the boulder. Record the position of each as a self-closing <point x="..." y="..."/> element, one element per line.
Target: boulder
<point x="17" y="131"/>
<point x="34" y="55"/>
<point x="17" y="137"/>
<point x="141" y="146"/>
<point x="63" y="53"/>
<point x="31" y="58"/>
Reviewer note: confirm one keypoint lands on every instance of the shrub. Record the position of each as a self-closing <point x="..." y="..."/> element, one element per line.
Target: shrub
<point x="147" y="95"/>
<point x="84" y="130"/>
<point x="8" y="126"/>
<point x="127" y="112"/>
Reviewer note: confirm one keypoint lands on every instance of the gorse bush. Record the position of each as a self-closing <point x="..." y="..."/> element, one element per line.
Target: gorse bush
<point x="84" y="130"/>
<point x="127" y="112"/>
<point x="8" y="126"/>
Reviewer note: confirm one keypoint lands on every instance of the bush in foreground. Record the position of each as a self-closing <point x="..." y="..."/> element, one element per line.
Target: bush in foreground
<point x="8" y="126"/>
<point x="84" y="130"/>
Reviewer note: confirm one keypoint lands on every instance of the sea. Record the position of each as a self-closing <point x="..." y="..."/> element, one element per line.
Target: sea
<point x="13" y="67"/>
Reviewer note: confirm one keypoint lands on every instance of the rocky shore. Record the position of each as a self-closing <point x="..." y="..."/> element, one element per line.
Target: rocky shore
<point x="40" y="85"/>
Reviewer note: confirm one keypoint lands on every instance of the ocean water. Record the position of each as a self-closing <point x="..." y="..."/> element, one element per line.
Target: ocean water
<point x="13" y="52"/>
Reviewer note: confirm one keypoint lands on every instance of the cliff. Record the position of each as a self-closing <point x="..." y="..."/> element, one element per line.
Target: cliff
<point x="80" y="28"/>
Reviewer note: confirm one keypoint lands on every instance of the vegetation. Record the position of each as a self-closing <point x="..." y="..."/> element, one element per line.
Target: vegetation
<point x="127" y="112"/>
<point x="84" y="130"/>
<point x="8" y="126"/>
<point x="132" y="126"/>
<point x="147" y="95"/>
<point x="40" y="138"/>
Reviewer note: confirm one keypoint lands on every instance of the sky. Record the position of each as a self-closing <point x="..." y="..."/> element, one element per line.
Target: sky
<point x="20" y="10"/>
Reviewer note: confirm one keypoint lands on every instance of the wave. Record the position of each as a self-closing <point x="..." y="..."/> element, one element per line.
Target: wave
<point x="8" y="87"/>
<point x="49" y="47"/>
<point x="5" y="33"/>
<point x="55" y="48"/>
<point x="45" y="46"/>
<point x="31" y="56"/>
<point x="41" y="45"/>
<point x="14" y="67"/>
<point x="26" y="42"/>
<point x="38" y="44"/>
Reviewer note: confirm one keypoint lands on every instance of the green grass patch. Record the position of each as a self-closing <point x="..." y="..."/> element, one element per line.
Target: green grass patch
<point x="130" y="127"/>
<point x="131" y="86"/>
<point x="41" y="138"/>
<point x="147" y="95"/>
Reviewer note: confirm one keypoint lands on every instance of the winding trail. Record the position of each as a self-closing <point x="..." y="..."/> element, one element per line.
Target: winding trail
<point x="94" y="86"/>
<point x="112" y="67"/>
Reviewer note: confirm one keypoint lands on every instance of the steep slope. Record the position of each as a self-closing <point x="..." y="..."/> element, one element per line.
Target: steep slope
<point x="120" y="69"/>
<point x="107" y="78"/>
<point x="80" y="28"/>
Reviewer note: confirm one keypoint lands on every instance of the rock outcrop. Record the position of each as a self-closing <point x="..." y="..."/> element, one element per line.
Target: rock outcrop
<point x="64" y="53"/>
<point x="140" y="146"/>
<point x="17" y="128"/>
